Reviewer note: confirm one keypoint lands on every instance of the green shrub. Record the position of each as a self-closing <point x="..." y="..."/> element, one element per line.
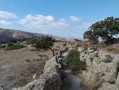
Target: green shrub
<point x="2" y="46"/>
<point x="10" y="44"/>
<point x="73" y="61"/>
<point x="2" y="42"/>
<point x="14" y="47"/>
<point x="45" y="43"/>
<point x="32" y="41"/>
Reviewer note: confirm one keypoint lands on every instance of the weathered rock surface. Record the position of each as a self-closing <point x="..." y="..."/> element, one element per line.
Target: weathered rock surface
<point x="81" y="49"/>
<point x="49" y="80"/>
<point x="102" y="66"/>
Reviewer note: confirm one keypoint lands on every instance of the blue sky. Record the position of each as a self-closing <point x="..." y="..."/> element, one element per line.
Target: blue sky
<point x="66" y="18"/>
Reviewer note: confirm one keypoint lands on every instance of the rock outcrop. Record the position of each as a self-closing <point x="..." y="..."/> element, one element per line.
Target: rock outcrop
<point x="102" y="68"/>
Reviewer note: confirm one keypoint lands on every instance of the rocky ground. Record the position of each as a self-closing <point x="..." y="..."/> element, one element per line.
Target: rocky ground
<point x="18" y="67"/>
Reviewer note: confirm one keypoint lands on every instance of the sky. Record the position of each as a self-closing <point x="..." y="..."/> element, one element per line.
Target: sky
<point x="65" y="18"/>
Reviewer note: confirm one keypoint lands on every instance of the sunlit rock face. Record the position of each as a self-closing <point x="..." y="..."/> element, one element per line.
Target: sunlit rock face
<point x="103" y="65"/>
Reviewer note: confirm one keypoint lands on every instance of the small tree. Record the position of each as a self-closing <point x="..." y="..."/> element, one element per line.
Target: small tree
<point x="104" y="29"/>
<point x="45" y="43"/>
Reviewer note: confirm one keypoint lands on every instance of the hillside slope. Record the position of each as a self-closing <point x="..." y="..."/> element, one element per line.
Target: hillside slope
<point x="7" y="34"/>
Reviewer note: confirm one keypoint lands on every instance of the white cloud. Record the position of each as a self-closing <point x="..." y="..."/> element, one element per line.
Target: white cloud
<point x="84" y="26"/>
<point x="75" y="19"/>
<point x="4" y="22"/>
<point x="42" y="22"/>
<point x="62" y="20"/>
<point x="7" y="15"/>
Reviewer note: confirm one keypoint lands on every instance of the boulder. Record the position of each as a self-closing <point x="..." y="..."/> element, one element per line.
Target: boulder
<point x="59" y="53"/>
<point x="102" y="67"/>
<point x="60" y="60"/>
<point x="86" y="55"/>
<point x="94" y="54"/>
<point x="70" y="48"/>
<point x="65" y="49"/>
<point x="108" y="86"/>
<point x="89" y="61"/>
<point x="117" y="80"/>
<point x="82" y="54"/>
<point x="95" y="64"/>
<point x="77" y="44"/>
<point x="110" y="73"/>
<point x="116" y="60"/>
<point x="106" y="58"/>
<point x="1" y="87"/>
<point x="91" y="50"/>
<point x="112" y="87"/>
<point x="81" y="49"/>
<point x="108" y="78"/>
<point x="82" y="58"/>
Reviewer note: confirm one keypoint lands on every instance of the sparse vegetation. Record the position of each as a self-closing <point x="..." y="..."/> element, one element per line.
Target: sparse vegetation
<point x="14" y="47"/>
<point x="2" y="42"/>
<point x="32" y="41"/>
<point x="2" y="46"/>
<point x="45" y="43"/>
<point x="10" y="44"/>
<point x="73" y="61"/>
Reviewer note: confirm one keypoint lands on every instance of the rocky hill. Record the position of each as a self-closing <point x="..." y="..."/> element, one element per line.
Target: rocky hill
<point x="7" y="34"/>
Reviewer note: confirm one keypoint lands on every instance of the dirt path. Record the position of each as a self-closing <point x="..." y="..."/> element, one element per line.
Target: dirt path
<point x="74" y="81"/>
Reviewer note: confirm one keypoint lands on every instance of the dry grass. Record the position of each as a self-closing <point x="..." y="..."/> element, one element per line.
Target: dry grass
<point x="114" y="48"/>
<point x="27" y="75"/>
<point x="17" y="67"/>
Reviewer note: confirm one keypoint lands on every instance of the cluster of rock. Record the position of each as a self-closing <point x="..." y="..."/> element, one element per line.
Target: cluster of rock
<point x="51" y="77"/>
<point x="1" y="87"/>
<point x="102" y="68"/>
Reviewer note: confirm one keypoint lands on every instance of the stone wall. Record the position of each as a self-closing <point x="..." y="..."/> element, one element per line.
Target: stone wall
<point x="49" y="80"/>
<point x="51" y="77"/>
<point x="102" y="69"/>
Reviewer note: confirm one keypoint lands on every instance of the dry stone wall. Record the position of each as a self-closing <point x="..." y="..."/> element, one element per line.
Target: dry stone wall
<point x="102" y="68"/>
<point x="49" y="80"/>
<point x="51" y="77"/>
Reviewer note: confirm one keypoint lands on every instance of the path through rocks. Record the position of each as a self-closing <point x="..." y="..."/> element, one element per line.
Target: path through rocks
<point x="72" y="81"/>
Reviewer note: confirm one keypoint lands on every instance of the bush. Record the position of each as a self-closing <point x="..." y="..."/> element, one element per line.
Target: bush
<point x="10" y="44"/>
<point x="2" y="42"/>
<point x="45" y="43"/>
<point x="73" y="61"/>
<point x="2" y="46"/>
<point x="32" y="41"/>
<point x="14" y="47"/>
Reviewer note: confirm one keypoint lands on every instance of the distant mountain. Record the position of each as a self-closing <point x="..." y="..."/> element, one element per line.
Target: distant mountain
<point x="7" y="34"/>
